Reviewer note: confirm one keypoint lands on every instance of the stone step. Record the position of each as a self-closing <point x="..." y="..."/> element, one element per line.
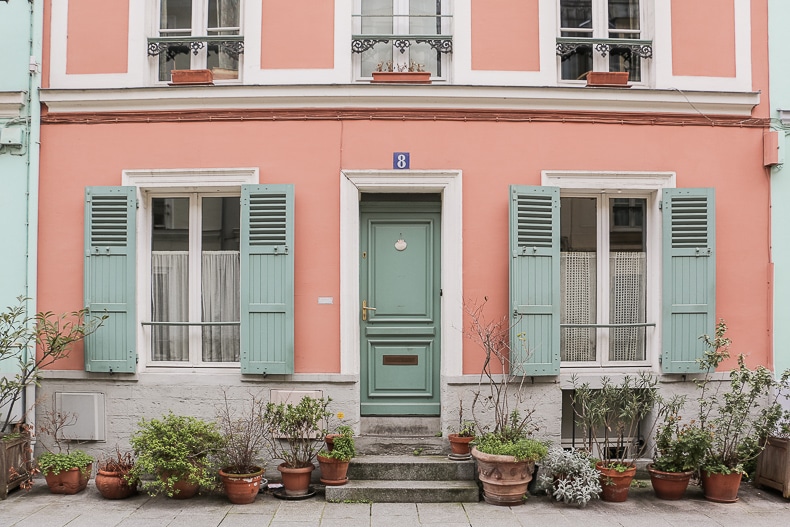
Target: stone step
<point x="404" y="491"/>
<point x="409" y="467"/>
<point x="400" y="445"/>
<point x="402" y="426"/>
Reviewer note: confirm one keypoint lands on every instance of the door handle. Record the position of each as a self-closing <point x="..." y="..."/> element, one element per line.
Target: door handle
<point x="365" y="309"/>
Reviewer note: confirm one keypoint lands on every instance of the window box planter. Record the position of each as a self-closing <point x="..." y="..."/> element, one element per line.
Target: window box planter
<point x="773" y="465"/>
<point x="608" y="78"/>
<point x="401" y="77"/>
<point x="191" y="77"/>
<point x="15" y="462"/>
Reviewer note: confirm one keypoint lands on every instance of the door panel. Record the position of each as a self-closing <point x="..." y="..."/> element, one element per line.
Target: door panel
<point x="399" y="282"/>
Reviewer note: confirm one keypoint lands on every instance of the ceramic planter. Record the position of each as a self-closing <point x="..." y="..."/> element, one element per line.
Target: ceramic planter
<point x="773" y="465"/>
<point x="191" y="77"/>
<point x="296" y="481"/>
<point x="182" y="488"/>
<point x="14" y="463"/>
<point x="721" y="488"/>
<point x="69" y="481"/>
<point x="401" y="77"/>
<point x="669" y="485"/>
<point x="504" y="479"/>
<point x="242" y="489"/>
<point x="608" y="78"/>
<point x="459" y="446"/>
<point x="615" y="484"/>
<point x="113" y="485"/>
<point x="333" y="471"/>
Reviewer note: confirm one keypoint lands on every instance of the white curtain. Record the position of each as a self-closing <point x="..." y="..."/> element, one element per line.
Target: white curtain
<point x="627" y="301"/>
<point x="170" y="303"/>
<point x="578" y="292"/>
<point x="220" y="303"/>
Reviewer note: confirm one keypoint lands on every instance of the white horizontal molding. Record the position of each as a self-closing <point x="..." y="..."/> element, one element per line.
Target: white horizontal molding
<point x="11" y="104"/>
<point x="364" y="96"/>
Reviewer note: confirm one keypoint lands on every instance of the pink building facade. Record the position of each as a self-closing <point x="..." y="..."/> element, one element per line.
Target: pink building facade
<point x="293" y="227"/>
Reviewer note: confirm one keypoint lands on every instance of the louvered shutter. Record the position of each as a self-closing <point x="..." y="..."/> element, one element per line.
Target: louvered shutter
<point x="689" y="276"/>
<point x="267" y="279"/>
<point x="535" y="279"/>
<point x="110" y="277"/>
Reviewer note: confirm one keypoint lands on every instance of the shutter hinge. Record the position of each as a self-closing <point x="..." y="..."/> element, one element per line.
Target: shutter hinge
<point x="660" y="205"/>
<point x="660" y="359"/>
<point x="440" y="292"/>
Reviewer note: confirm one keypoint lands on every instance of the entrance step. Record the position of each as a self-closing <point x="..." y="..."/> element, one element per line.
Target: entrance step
<point x="407" y="478"/>
<point x="410" y="426"/>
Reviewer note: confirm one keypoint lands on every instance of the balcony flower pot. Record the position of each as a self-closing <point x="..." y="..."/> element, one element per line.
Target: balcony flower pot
<point x="242" y="489"/>
<point x="615" y="483"/>
<point x="191" y="77"/>
<point x="721" y="488"/>
<point x="401" y="77"/>
<point x="669" y="485"/>
<point x="773" y="465"/>
<point x="608" y="78"/>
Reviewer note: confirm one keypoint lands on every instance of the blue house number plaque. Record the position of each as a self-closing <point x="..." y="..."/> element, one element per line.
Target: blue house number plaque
<point x="400" y="160"/>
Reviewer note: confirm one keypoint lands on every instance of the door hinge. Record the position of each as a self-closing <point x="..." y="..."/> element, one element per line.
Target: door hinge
<point x="440" y="291"/>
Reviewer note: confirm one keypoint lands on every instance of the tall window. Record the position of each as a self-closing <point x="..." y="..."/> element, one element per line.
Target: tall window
<point x="402" y="34"/>
<point x="601" y="35"/>
<point x="195" y="306"/>
<point x="603" y="280"/>
<point x="199" y="34"/>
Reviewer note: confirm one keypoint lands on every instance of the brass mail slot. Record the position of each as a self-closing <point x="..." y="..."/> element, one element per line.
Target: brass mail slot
<point x="400" y="360"/>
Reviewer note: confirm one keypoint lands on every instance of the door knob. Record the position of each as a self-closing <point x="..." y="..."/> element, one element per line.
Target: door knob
<point x="365" y="309"/>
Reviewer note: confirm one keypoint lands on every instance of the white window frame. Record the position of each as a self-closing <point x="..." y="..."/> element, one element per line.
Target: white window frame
<point x="400" y="26"/>
<point x="600" y="30"/>
<point x="623" y="184"/>
<point x="160" y="182"/>
<point x="199" y="28"/>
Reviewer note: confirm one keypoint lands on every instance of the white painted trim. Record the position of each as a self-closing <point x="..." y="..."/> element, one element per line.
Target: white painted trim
<point x="743" y="53"/>
<point x="359" y="96"/>
<point x="352" y="184"/>
<point x="11" y="104"/>
<point x="629" y="183"/>
<point x="183" y="180"/>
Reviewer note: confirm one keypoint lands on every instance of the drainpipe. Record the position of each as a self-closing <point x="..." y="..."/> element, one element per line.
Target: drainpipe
<point x="33" y="106"/>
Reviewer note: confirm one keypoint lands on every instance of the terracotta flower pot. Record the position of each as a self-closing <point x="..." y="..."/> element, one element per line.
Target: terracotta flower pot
<point x="607" y="78"/>
<point x="191" y="77"/>
<point x="721" y="488"/>
<point x="183" y="488"/>
<point x="669" y="485"/>
<point x="296" y="481"/>
<point x="69" y="481"/>
<point x="329" y="441"/>
<point x="614" y="484"/>
<point x="113" y="485"/>
<point x="460" y="445"/>
<point x="242" y="489"/>
<point x="504" y="479"/>
<point x="333" y="471"/>
<point x="401" y="77"/>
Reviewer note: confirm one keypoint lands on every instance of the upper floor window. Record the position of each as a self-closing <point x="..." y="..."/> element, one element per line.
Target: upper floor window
<point x="602" y="35"/>
<point x="198" y="34"/>
<point x="396" y="35"/>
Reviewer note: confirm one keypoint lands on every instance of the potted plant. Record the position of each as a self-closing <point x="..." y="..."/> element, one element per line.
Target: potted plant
<point x="739" y="415"/>
<point x="244" y="436"/>
<point x="334" y="463"/>
<point x="393" y="73"/>
<point x="53" y="335"/>
<point x="570" y="476"/>
<point x="175" y="451"/>
<point x="611" y="417"/>
<point x="295" y="433"/>
<point x="608" y="79"/>
<point x="505" y="452"/>
<point x="191" y="77"/>
<point x="112" y="476"/>
<point x="65" y="472"/>
<point x="680" y="448"/>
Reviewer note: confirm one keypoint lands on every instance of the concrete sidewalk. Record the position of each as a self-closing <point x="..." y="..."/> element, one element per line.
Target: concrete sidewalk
<point x="39" y="508"/>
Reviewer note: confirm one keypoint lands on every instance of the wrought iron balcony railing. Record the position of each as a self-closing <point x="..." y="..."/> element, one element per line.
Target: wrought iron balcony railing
<point x="233" y="45"/>
<point x="567" y="46"/>
<point x="440" y="43"/>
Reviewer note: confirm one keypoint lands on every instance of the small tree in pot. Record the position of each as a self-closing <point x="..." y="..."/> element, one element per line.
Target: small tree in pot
<point x="295" y="434"/>
<point x="244" y="435"/>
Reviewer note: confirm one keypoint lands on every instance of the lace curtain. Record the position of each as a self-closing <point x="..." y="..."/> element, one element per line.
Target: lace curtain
<point x="219" y="303"/>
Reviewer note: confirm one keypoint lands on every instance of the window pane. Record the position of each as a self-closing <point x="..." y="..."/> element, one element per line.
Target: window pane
<point x="220" y="284"/>
<point x="628" y="278"/>
<point x="176" y="14"/>
<point x="223" y="65"/>
<point x="421" y="22"/>
<point x="578" y="271"/>
<point x="377" y="17"/>
<point x="623" y="14"/>
<point x="576" y="17"/>
<point x="223" y="13"/>
<point x="575" y="65"/>
<point x="170" y="278"/>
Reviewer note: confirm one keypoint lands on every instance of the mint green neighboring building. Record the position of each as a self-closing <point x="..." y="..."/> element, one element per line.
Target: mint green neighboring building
<point x="778" y="21"/>
<point x="20" y="80"/>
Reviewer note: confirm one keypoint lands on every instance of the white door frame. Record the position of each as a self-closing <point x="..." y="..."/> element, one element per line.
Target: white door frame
<point x="447" y="182"/>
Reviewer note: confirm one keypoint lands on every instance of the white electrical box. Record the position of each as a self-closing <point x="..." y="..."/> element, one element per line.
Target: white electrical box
<point x="86" y="412"/>
<point x="12" y="136"/>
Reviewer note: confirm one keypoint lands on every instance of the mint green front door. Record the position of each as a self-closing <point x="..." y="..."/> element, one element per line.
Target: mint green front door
<point x="400" y="298"/>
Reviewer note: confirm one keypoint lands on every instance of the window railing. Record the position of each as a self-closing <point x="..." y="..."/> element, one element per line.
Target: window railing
<point x="233" y="45"/>
<point x="567" y="46"/>
<point x="440" y="43"/>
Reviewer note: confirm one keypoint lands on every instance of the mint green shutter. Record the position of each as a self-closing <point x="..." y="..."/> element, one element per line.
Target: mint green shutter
<point x="110" y="277"/>
<point x="267" y="279"/>
<point x="535" y="279"/>
<point x="689" y="276"/>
